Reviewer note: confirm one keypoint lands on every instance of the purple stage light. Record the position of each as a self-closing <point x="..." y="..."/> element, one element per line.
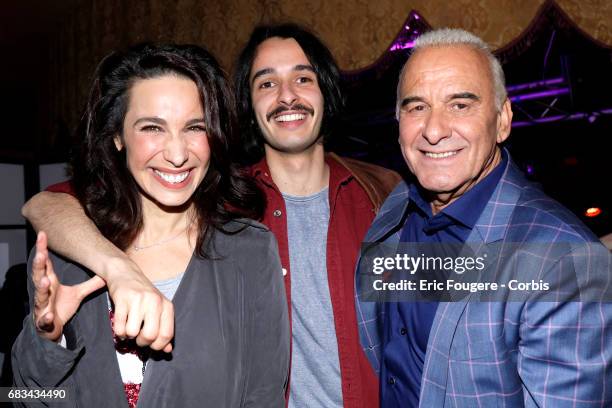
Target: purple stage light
<point x="530" y="169"/>
<point x="406" y="38"/>
<point x="575" y="116"/>
<point x="550" y="43"/>
<point x="402" y="45"/>
<point x="549" y="119"/>
<point x="536" y="84"/>
<point x="538" y="95"/>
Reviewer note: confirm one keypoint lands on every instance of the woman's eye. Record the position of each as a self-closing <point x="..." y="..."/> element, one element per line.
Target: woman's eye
<point x="197" y="128"/>
<point x="151" y="128"/>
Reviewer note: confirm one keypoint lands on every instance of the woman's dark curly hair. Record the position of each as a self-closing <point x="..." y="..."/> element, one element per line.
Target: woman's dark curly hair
<point x="102" y="182"/>
<point x="324" y="65"/>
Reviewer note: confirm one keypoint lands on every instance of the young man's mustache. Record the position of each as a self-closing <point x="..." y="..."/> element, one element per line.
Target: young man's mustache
<point x="296" y="107"/>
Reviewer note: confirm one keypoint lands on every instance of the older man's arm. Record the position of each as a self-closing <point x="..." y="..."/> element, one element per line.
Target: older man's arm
<point x="565" y="353"/>
<point x="141" y="311"/>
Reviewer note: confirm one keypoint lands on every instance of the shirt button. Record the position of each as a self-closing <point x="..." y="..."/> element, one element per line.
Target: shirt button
<point x="391" y="381"/>
<point x="277" y="213"/>
<point x="403" y="331"/>
<point x="284" y="272"/>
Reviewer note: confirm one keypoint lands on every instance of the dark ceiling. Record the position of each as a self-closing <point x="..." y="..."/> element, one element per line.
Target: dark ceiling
<point x="26" y="28"/>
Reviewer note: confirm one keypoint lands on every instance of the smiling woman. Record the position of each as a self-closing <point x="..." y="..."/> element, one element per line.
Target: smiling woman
<point x="154" y="173"/>
<point x="164" y="134"/>
<point x="161" y="105"/>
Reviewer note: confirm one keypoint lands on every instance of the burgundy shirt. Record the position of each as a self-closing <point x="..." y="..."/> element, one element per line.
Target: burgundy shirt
<point x="351" y="213"/>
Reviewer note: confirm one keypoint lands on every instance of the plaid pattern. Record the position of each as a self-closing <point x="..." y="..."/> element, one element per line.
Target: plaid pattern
<point x="545" y="354"/>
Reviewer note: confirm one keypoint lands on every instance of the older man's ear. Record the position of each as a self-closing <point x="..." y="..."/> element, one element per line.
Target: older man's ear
<point x="504" y="123"/>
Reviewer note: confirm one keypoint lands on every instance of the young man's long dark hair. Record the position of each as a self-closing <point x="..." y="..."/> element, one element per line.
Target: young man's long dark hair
<point x="323" y="63"/>
<point x="102" y="181"/>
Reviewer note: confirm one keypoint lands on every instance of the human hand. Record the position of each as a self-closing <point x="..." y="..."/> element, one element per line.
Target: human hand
<point x="54" y="303"/>
<point x="141" y="311"/>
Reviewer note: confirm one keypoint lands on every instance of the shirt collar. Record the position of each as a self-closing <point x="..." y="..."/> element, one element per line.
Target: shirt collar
<point x="260" y="168"/>
<point x="338" y="174"/>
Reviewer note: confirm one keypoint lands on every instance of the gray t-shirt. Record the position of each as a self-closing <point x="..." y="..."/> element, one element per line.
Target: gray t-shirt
<point x="168" y="287"/>
<point x="315" y="368"/>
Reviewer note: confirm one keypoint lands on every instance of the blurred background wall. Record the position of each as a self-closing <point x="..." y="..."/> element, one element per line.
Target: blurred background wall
<point x="50" y="48"/>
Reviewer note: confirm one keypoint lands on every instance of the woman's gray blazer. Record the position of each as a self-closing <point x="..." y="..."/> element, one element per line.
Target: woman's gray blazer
<point x="231" y="344"/>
